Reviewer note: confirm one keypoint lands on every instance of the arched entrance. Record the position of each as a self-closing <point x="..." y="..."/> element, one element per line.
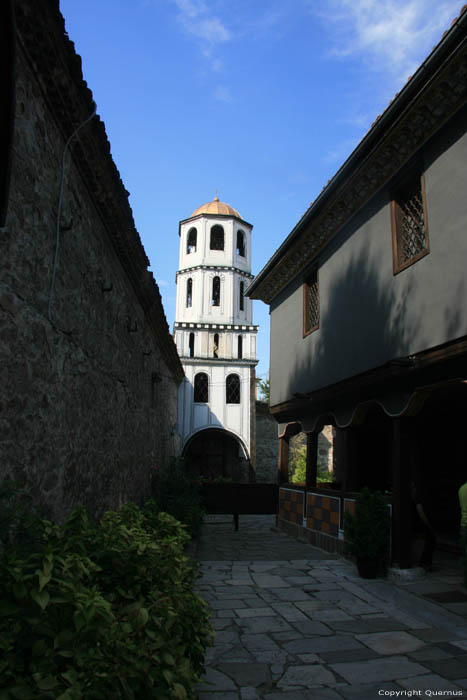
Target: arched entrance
<point x="215" y="453"/>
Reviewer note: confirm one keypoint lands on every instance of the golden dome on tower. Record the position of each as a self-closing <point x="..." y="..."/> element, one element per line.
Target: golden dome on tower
<point x="216" y="207"/>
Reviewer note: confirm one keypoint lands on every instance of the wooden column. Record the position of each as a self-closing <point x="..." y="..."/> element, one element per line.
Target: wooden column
<point x="283" y="466"/>
<point x="311" y="459"/>
<point x="402" y="454"/>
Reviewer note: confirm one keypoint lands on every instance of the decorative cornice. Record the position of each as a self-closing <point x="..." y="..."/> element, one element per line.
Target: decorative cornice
<point x="244" y="362"/>
<point x="42" y="35"/>
<point x="187" y="325"/>
<point x="428" y="100"/>
<point x="222" y="268"/>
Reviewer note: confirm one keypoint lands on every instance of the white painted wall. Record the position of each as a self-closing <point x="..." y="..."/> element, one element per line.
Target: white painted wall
<point x="205" y="320"/>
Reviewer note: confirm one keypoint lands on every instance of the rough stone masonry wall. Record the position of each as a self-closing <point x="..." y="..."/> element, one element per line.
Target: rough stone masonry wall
<point x="267" y="445"/>
<point x="87" y="400"/>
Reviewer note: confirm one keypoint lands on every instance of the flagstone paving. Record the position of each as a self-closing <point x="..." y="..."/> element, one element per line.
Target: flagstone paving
<point x="295" y="623"/>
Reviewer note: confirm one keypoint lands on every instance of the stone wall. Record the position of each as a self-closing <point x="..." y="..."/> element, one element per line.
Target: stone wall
<point x="267" y="445"/>
<point x="88" y="390"/>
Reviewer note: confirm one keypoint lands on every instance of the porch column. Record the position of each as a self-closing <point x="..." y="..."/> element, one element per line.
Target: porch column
<point x="311" y="459"/>
<point x="346" y="458"/>
<point x="283" y="466"/>
<point x="403" y="442"/>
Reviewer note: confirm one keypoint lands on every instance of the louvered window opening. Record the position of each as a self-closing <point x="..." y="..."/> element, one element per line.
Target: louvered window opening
<point x="232" y="389"/>
<point x="201" y="388"/>
<point x="410" y="222"/>
<point x="311" y="303"/>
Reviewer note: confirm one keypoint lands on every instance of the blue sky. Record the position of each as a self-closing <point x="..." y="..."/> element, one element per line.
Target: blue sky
<point x="260" y="99"/>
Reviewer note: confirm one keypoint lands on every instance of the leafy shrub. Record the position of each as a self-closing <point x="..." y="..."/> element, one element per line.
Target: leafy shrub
<point x="367" y="532"/>
<point x="177" y="492"/>
<point x="298" y="468"/>
<point x="102" y="611"/>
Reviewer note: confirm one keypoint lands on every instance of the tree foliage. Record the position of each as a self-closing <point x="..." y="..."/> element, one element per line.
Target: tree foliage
<point x="102" y="611"/>
<point x="263" y="386"/>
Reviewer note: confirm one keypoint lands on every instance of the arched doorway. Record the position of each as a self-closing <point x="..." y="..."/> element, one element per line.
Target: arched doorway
<point x="215" y="453"/>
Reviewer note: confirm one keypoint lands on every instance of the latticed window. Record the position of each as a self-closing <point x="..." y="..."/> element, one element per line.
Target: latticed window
<point x="311" y="303"/>
<point x="409" y="226"/>
<point x="191" y="240"/>
<point x="232" y="389"/>
<point x="216" y="291"/>
<point x="201" y="388"/>
<point x="217" y="238"/>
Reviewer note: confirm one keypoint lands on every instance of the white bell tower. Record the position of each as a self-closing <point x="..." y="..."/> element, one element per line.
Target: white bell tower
<point x="215" y="335"/>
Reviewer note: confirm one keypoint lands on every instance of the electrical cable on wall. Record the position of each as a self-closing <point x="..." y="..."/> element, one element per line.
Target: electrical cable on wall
<point x="59" y="212"/>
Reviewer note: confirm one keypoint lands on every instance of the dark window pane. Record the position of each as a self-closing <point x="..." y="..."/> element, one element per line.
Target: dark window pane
<point x="232" y="389"/>
<point x="241" y="244"/>
<point x="217" y="238"/>
<point x="241" y="298"/>
<point x="216" y="291"/>
<point x="189" y="291"/>
<point x="201" y="388"/>
<point x="191" y="241"/>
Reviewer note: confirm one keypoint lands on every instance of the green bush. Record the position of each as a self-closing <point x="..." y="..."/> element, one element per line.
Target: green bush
<point x="298" y="469"/>
<point x="102" y="611"/>
<point x="177" y="492"/>
<point x="367" y="533"/>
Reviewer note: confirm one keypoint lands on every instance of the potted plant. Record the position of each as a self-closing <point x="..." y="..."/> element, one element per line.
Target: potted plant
<point x="367" y="533"/>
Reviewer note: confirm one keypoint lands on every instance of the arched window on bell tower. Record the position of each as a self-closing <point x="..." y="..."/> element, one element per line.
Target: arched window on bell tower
<point x="241" y="297"/>
<point x="240" y="347"/>
<point x="216" y="291"/>
<point x="201" y="388"/>
<point x="217" y="238"/>
<point x="191" y="241"/>
<point x="232" y="389"/>
<point x="241" y="243"/>
<point x="189" y="292"/>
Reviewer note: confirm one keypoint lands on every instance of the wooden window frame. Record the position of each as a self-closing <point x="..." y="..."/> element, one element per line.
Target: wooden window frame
<point x="313" y="276"/>
<point x="397" y="265"/>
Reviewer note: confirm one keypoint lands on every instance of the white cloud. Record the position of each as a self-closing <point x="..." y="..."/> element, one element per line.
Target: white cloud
<point x="197" y="20"/>
<point x="393" y="36"/>
<point x="223" y="94"/>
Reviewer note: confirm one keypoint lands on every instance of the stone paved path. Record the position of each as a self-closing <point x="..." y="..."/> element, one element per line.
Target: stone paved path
<point x="295" y="623"/>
